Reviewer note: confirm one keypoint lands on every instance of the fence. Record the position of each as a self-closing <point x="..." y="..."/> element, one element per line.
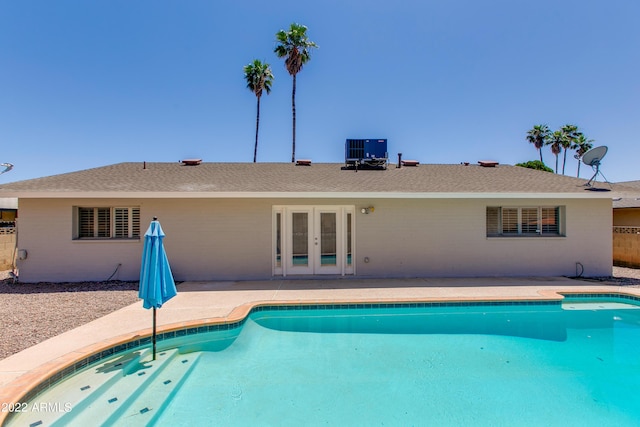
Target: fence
<point x="626" y="246"/>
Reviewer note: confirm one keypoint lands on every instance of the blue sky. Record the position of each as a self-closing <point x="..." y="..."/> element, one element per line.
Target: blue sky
<point x="90" y="83"/>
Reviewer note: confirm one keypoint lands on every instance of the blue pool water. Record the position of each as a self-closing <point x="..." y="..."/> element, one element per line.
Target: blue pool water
<point x="571" y="364"/>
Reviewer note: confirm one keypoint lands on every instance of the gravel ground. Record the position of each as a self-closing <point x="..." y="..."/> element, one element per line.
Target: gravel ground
<point x="32" y="313"/>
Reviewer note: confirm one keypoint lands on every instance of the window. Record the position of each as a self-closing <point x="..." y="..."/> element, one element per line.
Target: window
<point x="523" y="221"/>
<point x="108" y="223"/>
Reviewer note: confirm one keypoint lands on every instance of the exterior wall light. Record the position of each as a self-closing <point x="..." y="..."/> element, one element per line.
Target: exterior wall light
<point x="368" y="210"/>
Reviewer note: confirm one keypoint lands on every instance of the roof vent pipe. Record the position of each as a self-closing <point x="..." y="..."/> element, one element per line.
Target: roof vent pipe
<point x="399" y="161"/>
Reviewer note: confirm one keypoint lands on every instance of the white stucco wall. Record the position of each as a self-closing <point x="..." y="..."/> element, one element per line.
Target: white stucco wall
<point x="206" y="239"/>
<point x="220" y="239"/>
<point x="447" y="238"/>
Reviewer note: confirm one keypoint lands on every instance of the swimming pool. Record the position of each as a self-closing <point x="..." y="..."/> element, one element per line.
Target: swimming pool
<point x="501" y="363"/>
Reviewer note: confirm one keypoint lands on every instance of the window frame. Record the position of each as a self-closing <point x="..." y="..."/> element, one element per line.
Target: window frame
<point x="108" y="223"/>
<point x="516" y="221"/>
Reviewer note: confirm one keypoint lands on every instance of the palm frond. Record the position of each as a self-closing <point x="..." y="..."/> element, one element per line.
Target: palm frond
<point x="259" y="77"/>
<point x="295" y="47"/>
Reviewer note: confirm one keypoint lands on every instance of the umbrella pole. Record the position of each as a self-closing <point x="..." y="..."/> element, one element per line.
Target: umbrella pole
<point x="153" y="337"/>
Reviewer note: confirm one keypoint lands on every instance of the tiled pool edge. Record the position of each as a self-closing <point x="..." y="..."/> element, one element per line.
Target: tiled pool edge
<point x="594" y="295"/>
<point x="36" y="381"/>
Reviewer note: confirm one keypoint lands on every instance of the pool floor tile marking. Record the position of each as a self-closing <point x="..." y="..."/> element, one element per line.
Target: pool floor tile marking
<point x="87" y="387"/>
<point x="113" y="399"/>
<point x="37" y="423"/>
<point x="167" y="382"/>
<point x="144" y="410"/>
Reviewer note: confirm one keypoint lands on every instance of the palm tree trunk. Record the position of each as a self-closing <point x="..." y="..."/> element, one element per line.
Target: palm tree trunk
<point x="540" y="151"/>
<point x="255" y="148"/>
<point x="578" y="174"/>
<point x="556" y="163"/>
<point x="564" y="161"/>
<point x="293" y="110"/>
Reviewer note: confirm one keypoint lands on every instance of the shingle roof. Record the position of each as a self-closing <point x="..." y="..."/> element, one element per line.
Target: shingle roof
<point x="253" y="179"/>
<point x="628" y="202"/>
<point x="633" y="184"/>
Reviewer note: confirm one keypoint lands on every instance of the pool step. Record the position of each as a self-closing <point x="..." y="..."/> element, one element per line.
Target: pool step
<point x="61" y="401"/>
<point x="590" y="305"/>
<point x="145" y="407"/>
<point x="116" y="395"/>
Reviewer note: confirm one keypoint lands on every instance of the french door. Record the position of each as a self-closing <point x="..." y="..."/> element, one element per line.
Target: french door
<point x="313" y="240"/>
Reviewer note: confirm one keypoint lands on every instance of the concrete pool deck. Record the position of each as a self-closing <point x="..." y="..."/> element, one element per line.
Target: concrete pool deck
<point x="223" y="302"/>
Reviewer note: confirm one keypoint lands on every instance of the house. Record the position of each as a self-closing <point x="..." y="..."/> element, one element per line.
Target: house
<point x="626" y="228"/>
<point x="235" y="221"/>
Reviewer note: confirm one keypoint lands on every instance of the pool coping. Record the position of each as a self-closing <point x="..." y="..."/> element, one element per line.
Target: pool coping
<point x="37" y="379"/>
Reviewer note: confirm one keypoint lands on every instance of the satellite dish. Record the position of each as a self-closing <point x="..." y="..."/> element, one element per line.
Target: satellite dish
<point x="7" y="167"/>
<point x="592" y="158"/>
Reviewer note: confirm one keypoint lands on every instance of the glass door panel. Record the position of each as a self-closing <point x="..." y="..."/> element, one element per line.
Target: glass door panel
<point x="300" y="239"/>
<point x="328" y="243"/>
<point x="348" y="251"/>
<point x="278" y="260"/>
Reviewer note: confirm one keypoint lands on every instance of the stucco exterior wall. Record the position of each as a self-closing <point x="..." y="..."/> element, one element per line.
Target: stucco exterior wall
<point x="447" y="238"/>
<point x="225" y="239"/>
<point x="206" y="239"/>
<point x="45" y="231"/>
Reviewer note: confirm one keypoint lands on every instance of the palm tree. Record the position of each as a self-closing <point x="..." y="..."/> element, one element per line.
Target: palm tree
<point x="538" y="137"/>
<point x="571" y="133"/>
<point x="295" y="47"/>
<point x="581" y="145"/>
<point x="259" y="78"/>
<point x="557" y="140"/>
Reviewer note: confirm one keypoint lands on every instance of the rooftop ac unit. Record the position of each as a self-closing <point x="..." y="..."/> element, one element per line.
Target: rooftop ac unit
<point x="366" y="153"/>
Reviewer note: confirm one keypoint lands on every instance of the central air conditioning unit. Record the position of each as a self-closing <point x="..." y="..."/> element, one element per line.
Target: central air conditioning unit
<point x="366" y="154"/>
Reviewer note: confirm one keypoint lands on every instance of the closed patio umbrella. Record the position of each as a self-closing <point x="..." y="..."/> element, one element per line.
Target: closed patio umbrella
<point x="156" y="281"/>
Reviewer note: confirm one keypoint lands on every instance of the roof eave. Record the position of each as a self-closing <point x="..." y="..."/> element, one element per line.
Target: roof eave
<point x="302" y="195"/>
